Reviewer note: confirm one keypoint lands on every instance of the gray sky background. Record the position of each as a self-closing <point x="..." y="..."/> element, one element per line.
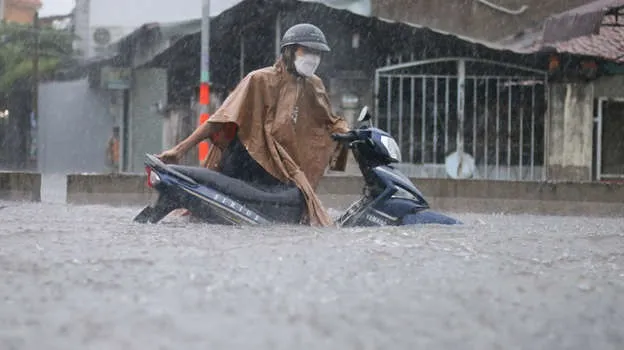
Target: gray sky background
<point x="61" y="7"/>
<point x="56" y="7"/>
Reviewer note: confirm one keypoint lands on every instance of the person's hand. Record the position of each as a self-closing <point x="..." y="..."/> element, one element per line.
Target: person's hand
<point x="170" y="157"/>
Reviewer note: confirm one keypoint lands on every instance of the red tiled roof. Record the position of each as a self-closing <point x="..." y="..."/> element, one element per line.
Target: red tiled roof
<point x="608" y="44"/>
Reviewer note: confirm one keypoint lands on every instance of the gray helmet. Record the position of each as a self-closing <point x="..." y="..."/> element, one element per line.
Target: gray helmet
<point x="307" y="35"/>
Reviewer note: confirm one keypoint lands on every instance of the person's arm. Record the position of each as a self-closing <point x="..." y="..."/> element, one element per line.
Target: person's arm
<point x="207" y="130"/>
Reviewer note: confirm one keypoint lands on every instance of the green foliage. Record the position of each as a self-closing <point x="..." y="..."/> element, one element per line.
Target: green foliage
<point x="18" y="47"/>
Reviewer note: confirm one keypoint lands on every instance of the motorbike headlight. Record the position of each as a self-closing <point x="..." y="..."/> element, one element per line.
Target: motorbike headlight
<point x="391" y="146"/>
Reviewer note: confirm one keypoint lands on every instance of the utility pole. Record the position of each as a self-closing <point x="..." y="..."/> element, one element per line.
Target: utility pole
<point x="204" y="82"/>
<point x="35" y="91"/>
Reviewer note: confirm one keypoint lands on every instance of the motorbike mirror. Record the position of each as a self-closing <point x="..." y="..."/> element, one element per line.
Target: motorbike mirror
<point x="364" y="115"/>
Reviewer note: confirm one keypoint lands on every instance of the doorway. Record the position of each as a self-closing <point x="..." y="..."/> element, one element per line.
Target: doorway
<point x="609" y="140"/>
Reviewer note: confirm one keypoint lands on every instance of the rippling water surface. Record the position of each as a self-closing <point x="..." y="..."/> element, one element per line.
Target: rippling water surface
<point x="87" y="277"/>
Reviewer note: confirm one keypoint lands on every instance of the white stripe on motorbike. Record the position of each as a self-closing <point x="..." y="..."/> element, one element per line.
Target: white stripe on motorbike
<point x="226" y="208"/>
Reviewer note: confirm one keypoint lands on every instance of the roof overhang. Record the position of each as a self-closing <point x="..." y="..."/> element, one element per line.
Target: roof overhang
<point x="581" y="21"/>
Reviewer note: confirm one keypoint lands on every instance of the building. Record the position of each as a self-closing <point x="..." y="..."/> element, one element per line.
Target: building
<point x="582" y="115"/>
<point x="590" y="116"/>
<point x="19" y="11"/>
<point x="437" y="93"/>
<point x="363" y="64"/>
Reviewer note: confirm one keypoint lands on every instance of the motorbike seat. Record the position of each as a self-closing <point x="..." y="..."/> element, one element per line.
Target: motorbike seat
<point x="288" y="196"/>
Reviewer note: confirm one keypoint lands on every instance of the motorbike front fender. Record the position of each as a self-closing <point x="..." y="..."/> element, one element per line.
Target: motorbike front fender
<point x="429" y="217"/>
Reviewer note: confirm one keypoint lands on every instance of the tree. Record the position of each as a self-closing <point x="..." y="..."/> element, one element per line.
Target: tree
<point x="18" y="47"/>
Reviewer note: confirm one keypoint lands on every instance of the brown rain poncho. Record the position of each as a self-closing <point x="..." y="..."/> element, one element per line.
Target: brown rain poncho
<point x="262" y="107"/>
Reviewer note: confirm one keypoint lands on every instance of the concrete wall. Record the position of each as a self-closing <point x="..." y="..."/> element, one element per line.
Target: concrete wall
<point x="74" y="127"/>
<point x="609" y="87"/>
<point x="110" y="189"/>
<point x="146" y="123"/>
<point x="570" y="139"/>
<point x="571" y="144"/>
<point x="514" y="197"/>
<point x="18" y="186"/>
<point x="591" y="199"/>
<point x="470" y="17"/>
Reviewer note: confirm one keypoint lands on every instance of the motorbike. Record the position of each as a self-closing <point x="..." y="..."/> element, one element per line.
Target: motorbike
<point x="388" y="198"/>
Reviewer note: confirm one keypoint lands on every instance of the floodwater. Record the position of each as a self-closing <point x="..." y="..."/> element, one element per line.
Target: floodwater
<point x="86" y="277"/>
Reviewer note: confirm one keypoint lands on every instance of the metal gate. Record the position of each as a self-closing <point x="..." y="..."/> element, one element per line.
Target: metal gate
<point x="490" y="110"/>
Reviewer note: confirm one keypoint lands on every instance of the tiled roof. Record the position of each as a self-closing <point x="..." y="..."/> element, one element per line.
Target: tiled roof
<point x="608" y="44"/>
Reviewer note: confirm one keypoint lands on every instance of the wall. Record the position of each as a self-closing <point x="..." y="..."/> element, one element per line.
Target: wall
<point x="610" y="87"/>
<point x="470" y="17"/>
<point x="571" y="123"/>
<point x="477" y="196"/>
<point x="74" y="127"/>
<point x="19" y="186"/>
<point x="572" y="146"/>
<point x="19" y="11"/>
<point x="149" y="86"/>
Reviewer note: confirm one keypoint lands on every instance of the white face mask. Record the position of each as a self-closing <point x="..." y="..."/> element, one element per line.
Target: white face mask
<point x="307" y="64"/>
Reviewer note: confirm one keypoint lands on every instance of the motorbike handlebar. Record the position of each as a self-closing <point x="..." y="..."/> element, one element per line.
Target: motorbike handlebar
<point x="346" y="137"/>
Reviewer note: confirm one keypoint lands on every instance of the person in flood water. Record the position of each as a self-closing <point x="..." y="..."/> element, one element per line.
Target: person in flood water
<point x="275" y="128"/>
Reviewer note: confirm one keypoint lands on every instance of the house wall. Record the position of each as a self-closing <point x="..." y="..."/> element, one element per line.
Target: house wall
<point x="470" y="17"/>
<point x="74" y="127"/>
<point x="146" y="123"/>
<point x="19" y="11"/>
<point x="610" y="87"/>
<point x="570" y="129"/>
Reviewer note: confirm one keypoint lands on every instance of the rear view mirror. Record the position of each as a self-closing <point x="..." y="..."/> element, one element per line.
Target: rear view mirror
<point x="364" y="115"/>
